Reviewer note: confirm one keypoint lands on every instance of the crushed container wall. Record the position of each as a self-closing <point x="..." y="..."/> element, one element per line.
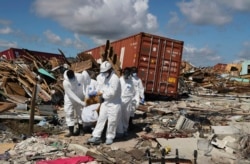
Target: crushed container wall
<point x="14" y="53"/>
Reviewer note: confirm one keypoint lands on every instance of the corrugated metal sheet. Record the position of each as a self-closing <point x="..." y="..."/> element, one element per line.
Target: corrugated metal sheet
<point x="157" y="58"/>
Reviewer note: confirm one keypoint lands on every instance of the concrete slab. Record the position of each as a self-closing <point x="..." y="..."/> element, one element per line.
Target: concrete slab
<point x="126" y="144"/>
<point x="225" y="130"/>
<point x="244" y="127"/>
<point x="186" y="148"/>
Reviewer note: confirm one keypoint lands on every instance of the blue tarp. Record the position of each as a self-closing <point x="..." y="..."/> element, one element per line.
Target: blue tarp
<point x="46" y="73"/>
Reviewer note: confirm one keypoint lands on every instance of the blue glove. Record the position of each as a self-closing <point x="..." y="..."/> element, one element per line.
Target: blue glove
<point x="92" y="94"/>
<point x="142" y="101"/>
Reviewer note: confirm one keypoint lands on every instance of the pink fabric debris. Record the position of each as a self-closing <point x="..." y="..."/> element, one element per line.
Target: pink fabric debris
<point x="71" y="160"/>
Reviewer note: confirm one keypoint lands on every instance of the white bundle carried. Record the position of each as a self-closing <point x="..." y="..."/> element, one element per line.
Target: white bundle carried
<point x="89" y="113"/>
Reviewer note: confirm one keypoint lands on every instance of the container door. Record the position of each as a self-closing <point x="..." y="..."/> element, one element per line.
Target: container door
<point x="169" y="67"/>
<point x="159" y="65"/>
<point x="148" y="63"/>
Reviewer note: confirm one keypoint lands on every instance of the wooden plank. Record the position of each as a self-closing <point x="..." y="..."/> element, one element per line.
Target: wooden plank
<point x="20" y="117"/>
<point x="14" y="88"/>
<point x="6" y="146"/>
<point x="17" y="98"/>
<point x="81" y="66"/>
<point x="4" y="106"/>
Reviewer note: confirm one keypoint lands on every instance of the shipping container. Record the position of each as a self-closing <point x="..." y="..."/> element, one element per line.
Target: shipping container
<point x="157" y="58"/>
<point x="14" y="53"/>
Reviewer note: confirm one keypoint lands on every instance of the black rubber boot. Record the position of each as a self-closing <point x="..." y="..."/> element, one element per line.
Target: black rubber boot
<point x="71" y="131"/>
<point x="131" y="126"/>
<point x="79" y="131"/>
<point x="88" y="129"/>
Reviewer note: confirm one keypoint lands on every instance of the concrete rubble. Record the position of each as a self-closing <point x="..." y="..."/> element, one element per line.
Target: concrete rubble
<point x="217" y="129"/>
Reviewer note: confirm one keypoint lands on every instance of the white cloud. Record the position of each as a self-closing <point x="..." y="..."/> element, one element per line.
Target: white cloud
<point x="68" y="42"/>
<point x="246" y="44"/>
<point x="78" y="44"/>
<point x="201" y="57"/>
<point x="236" y="5"/>
<point x="55" y="39"/>
<point x="212" y="12"/>
<point x="244" y="54"/>
<point x="5" y="30"/>
<point x="205" y="12"/>
<point x="151" y="21"/>
<point x="5" y="44"/>
<point x="99" y="41"/>
<point x="100" y="19"/>
<point x="5" y="22"/>
<point x="4" y="27"/>
<point x="175" y="25"/>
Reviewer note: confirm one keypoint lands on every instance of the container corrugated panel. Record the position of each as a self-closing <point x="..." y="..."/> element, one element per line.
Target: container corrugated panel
<point x="13" y="53"/>
<point x="157" y="58"/>
<point x="7" y="54"/>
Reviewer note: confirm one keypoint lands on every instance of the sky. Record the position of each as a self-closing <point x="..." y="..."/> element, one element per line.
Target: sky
<point x="213" y="31"/>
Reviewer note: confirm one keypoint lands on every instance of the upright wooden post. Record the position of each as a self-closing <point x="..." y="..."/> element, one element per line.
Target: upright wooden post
<point x="32" y="110"/>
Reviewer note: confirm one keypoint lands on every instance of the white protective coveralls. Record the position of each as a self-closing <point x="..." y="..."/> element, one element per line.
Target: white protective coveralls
<point x="92" y="87"/>
<point x="139" y="91"/>
<point x="100" y="81"/>
<point x="89" y="113"/>
<point x="111" y="107"/>
<point x="127" y="95"/>
<point x="75" y="91"/>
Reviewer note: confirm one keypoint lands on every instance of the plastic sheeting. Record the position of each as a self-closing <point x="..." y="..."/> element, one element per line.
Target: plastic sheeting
<point x="46" y="73"/>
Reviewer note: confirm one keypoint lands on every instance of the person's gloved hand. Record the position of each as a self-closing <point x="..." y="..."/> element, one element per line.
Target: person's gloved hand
<point x="83" y="104"/>
<point x="142" y="101"/>
<point x="92" y="94"/>
<point x="99" y="93"/>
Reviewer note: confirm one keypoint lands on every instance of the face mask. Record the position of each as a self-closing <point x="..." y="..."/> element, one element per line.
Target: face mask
<point x="126" y="75"/>
<point x="105" y="74"/>
<point x="72" y="79"/>
<point x="134" y="74"/>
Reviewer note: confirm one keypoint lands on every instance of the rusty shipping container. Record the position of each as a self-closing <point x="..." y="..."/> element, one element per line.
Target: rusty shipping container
<point x="157" y="58"/>
<point x="14" y="53"/>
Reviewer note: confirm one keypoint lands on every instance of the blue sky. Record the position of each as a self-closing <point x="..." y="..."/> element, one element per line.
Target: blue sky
<point x="213" y="31"/>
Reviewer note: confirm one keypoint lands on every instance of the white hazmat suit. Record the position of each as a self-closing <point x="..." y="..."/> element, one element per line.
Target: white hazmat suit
<point x="139" y="95"/>
<point x="92" y="88"/>
<point x="75" y="91"/>
<point x="110" y="110"/>
<point x="127" y="95"/>
<point x="89" y="112"/>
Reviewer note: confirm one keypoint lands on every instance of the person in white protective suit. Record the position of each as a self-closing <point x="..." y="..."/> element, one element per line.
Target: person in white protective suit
<point x="93" y="86"/>
<point x="127" y="95"/>
<point x="139" y="97"/>
<point x="110" y="109"/>
<point x="75" y="85"/>
<point x="90" y="112"/>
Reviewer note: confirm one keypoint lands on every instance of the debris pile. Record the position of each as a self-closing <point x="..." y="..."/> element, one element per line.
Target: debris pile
<point x="209" y="80"/>
<point x="195" y="129"/>
<point x="210" y="125"/>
